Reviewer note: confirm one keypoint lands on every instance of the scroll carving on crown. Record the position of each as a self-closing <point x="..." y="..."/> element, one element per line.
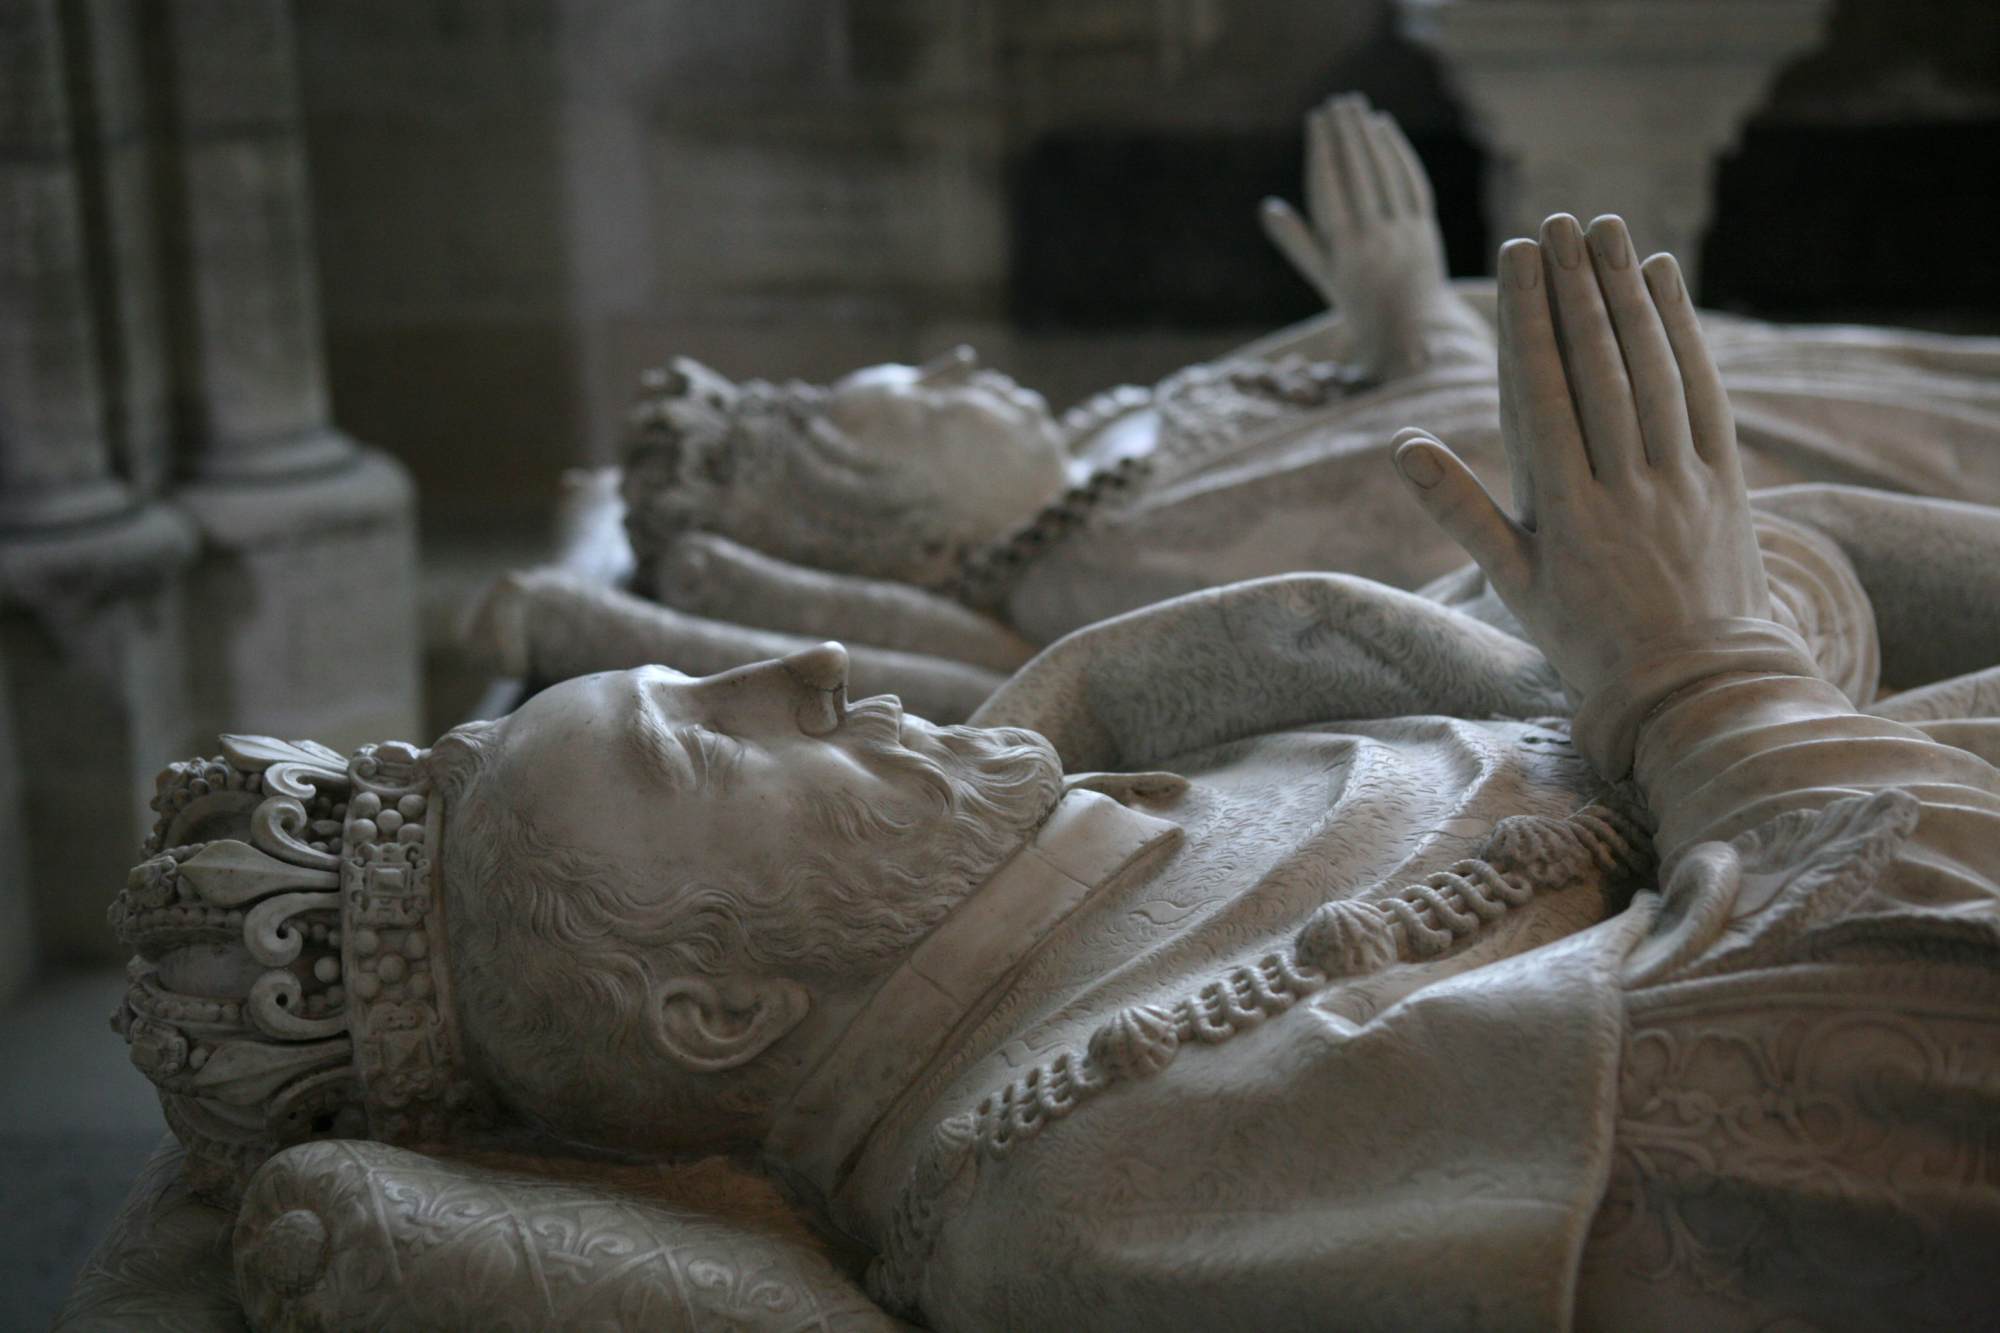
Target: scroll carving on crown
<point x="283" y="987"/>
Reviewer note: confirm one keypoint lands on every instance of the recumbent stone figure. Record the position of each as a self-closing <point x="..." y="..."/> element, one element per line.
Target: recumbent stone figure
<point x="1304" y="952"/>
<point x="944" y="525"/>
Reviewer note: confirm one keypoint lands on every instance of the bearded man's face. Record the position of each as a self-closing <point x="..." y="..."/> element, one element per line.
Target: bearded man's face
<point x="845" y="831"/>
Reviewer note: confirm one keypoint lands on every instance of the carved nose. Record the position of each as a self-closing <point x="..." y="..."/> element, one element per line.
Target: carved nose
<point x="820" y="668"/>
<point x="822" y="672"/>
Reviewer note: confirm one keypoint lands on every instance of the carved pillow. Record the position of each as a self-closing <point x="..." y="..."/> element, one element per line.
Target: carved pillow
<point x="352" y="1234"/>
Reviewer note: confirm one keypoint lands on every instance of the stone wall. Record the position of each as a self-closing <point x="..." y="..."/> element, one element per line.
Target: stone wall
<point x="522" y="202"/>
<point x="187" y="545"/>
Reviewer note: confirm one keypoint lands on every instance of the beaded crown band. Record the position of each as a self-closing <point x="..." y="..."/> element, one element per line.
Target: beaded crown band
<point x="288" y="980"/>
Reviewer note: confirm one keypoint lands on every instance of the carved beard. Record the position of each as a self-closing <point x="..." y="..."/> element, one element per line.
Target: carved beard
<point x="972" y="796"/>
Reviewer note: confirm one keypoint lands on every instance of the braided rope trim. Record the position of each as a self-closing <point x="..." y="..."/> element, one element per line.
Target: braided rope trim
<point x="988" y="575"/>
<point x="1600" y="847"/>
<point x="1205" y="411"/>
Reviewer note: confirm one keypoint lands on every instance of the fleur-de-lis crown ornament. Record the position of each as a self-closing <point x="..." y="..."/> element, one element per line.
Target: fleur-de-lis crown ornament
<point x="288" y="978"/>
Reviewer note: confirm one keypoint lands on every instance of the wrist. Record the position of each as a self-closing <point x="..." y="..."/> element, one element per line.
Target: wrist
<point x="1731" y="751"/>
<point x="1610" y="720"/>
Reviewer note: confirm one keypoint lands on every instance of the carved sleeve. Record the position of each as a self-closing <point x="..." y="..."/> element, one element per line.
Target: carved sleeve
<point x="712" y="576"/>
<point x="1728" y="753"/>
<point x="1807" y="1089"/>
<point x="1734" y="751"/>
<point x="549" y="626"/>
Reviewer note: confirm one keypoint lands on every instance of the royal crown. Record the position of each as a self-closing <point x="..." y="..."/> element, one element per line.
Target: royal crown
<point x="288" y="980"/>
<point x="678" y="429"/>
<point x="692" y="433"/>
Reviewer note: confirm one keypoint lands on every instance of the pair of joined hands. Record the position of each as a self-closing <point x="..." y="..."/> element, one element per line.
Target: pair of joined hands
<point x="1369" y="240"/>
<point x="1631" y="525"/>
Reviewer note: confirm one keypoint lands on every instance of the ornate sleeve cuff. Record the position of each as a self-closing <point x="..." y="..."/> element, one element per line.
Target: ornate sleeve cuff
<point x="1607" y="725"/>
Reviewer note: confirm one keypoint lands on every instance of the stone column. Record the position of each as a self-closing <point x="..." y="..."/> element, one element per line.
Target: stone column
<point x="1611" y="106"/>
<point x="305" y="598"/>
<point x="92" y="631"/>
<point x="90" y="575"/>
<point x="54" y="464"/>
<point x="17" y="922"/>
<point x="108" y="99"/>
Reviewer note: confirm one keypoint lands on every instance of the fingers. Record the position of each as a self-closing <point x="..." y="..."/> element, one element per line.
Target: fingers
<point x="1295" y="241"/>
<point x="1597" y="380"/>
<point x="1410" y="187"/>
<point x="1360" y="168"/>
<point x="1357" y="170"/>
<point x="1326" y="199"/>
<point x="1458" y="503"/>
<point x="1385" y="171"/>
<point x="1538" y="419"/>
<point x="1711" y="424"/>
<point x="1649" y="360"/>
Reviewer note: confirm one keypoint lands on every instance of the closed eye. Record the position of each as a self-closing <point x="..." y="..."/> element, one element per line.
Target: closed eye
<point x="715" y="755"/>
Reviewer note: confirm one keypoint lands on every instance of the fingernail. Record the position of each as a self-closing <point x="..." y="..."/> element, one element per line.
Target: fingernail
<point x="1419" y="465"/>
<point x="1607" y="237"/>
<point x="1663" y="275"/>
<point x="1563" y="239"/>
<point x="1523" y="262"/>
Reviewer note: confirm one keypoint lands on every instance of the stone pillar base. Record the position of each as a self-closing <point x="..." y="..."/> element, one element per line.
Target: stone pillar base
<point x="91" y="626"/>
<point x="304" y="604"/>
<point x="81" y="503"/>
<point x="1611" y="106"/>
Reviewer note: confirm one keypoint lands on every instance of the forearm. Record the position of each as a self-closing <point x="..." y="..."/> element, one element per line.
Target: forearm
<point x="711" y="576"/>
<point x="1447" y="327"/>
<point x="590" y="539"/>
<point x="547" y="626"/>
<point x="1730" y="752"/>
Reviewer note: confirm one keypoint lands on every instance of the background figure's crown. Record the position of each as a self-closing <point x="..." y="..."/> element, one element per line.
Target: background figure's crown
<point x="678" y="426"/>
<point x="287" y="981"/>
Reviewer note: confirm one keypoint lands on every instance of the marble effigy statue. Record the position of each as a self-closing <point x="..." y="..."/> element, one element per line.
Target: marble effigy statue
<point x="1609" y="949"/>
<point x="942" y="523"/>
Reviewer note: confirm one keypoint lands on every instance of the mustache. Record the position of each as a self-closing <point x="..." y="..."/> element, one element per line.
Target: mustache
<point x="931" y="752"/>
<point x="874" y="721"/>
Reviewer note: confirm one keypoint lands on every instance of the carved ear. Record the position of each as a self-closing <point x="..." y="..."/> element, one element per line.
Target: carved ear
<point x="711" y="1026"/>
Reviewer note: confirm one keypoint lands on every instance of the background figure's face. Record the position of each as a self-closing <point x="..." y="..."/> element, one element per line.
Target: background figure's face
<point x="962" y="436"/>
<point x="848" y="830"/>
